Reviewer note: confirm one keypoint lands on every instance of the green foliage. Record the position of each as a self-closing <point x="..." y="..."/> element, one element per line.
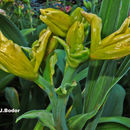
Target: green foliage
<point x="12" y="97"/>
<point x="45" y="117"/>
<point x="114" y="103"/>
<point x="5" y="78"/>
<point x="89" y="96"/>
<point x="114" y="123"/>
<point x="11" y="31"/>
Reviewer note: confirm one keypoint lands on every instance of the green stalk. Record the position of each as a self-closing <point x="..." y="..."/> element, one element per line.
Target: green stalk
<point x="58" y="103"/>
<point x="58" y="110"/>
<point x="47" y="3"/>
<point x="59" y="107"/>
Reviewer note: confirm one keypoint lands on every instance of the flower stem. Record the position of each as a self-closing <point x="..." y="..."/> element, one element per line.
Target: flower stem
<point x="59" y="107"/>
<point x="58" y="103"/>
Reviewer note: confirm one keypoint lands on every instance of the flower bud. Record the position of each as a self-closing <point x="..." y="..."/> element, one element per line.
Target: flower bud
<point x="57" y="21"/>
<point x="76" y="53"/>
<point x="96" y="25"/>
<point x="13" y="60"/>
<point x="51" y="45"/>
<point x="39" y="48"/>
<point x="116" y="45"/>
<point x="75" y="37"/>
<point x="76" y="15"/>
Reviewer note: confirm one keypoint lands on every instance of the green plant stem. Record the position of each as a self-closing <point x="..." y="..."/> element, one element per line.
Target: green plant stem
<point x="58" y="110"/>
<point x="59" y="107"/>
<point x="58" y="103"/>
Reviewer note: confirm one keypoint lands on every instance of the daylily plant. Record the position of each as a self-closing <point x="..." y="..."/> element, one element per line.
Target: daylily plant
<point x="70" y="31"/>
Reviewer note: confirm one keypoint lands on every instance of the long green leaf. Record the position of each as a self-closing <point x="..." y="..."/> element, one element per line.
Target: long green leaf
<point x="114" y="123"/>
<point x="124" y="10"/>
<point x="101" y="80"/>
<point x="11" y="31"/>
<point x="5" y="78"/>
<point x="114" y="103"/>
<point x="25" y="32"/>
<point x="113" y="13"/>
<point x="12" y="97"/>
<point x="122" y="120"/>
<point x="98" y="83"/>
<point x="44" y="116"/>
<point x="77" y="122"/>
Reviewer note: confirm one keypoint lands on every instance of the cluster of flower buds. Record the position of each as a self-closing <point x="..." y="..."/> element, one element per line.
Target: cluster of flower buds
<point x="73" y="29"/>
<point x="13" y="59"/>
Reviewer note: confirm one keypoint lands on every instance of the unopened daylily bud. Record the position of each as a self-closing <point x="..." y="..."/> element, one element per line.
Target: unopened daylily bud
<point x="57" y="21"/>
<point x="13" y="60"/>
<point x="76" y="53"/>
<point x="114" y="46"/>
<point x="39" y="48"/>
<point x="75" y="37"/>
<point x="76" y="15"/>
<point x="96" y="25"/>
<point x="51" y="45"/>
<point x="56" y="30"/>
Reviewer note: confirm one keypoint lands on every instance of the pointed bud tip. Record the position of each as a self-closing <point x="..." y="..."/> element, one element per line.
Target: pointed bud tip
<point x="83" y="12"/>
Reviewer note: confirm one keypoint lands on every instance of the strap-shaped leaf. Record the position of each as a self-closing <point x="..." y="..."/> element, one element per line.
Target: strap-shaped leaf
<point x="5" y="78"/>
<point x="114" y="123"/>
<point x="77" y="122"/>
<point x="104" y="71"/>
<point x="10" y="30"/>
<point x="26" y="32"/>
<point x="44" y="116"/>
<point x="113" y="13"/>
<point x="12" y="97"/>
<point x="114" y="103"/>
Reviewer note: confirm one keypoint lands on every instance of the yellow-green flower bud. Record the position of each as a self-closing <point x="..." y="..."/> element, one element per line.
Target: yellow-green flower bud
<point x="114" y="46"/>
<point x="76" y="53"/>
<point x="39" y="48"/>
<point x="75" y="37"/>
<point x="57" y="21"/>
<point x="13" y="60"/>
<point x="76" y="15"/>
<point x="96" y="25"/>
<point x="51" y="45"/>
